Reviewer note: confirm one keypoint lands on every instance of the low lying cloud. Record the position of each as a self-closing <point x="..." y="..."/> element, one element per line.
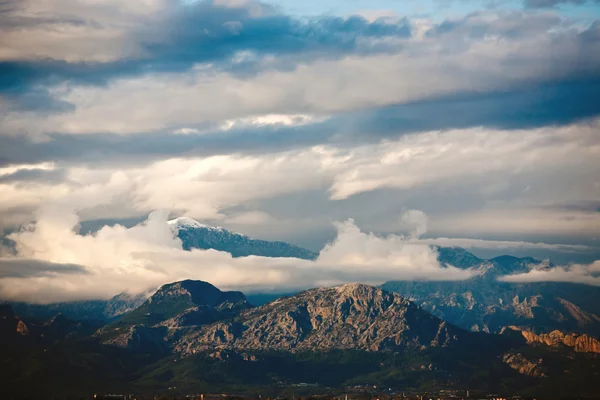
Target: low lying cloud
<point x="416" y="221"/>
<point x="22" y="268"/>
<point x="500" y="244"/>
<point x="577" y="273"/>
<point x="147" y="255"/>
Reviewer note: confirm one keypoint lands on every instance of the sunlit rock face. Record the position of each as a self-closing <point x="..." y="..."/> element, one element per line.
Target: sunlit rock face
<point x="580" y="343"/>
<point x="352" y="316"/>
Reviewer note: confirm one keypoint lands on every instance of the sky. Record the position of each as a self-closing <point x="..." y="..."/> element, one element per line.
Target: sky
<point x="364" y="130"/>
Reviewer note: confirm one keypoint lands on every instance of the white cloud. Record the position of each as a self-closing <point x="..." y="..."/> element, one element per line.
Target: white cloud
<point x="486" y="169"/>
<point x="577" y="273"/>
<point x="418" y="159"/>
<point x="416" y="68"/>
<point x="148" y="255"/>
<point x="416" y="220"/>
<point x="76" y="30"/>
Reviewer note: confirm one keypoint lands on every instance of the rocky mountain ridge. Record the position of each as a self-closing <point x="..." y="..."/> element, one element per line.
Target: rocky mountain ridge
<point x="352" y="316"/>
<point x="172" y="308"/>
<point x="483" y="303"/>
<point x="193" y="336"/>
<point x="579" y="343"/>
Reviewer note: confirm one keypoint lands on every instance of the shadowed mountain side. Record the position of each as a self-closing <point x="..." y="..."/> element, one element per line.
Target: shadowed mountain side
<point x="195" y="235"/>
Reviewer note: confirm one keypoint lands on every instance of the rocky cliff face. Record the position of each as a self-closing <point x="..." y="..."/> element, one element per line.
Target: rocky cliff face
<point x="352" y="316"/>
<point x="579" y="343"/>
<point x="525" y="366"/>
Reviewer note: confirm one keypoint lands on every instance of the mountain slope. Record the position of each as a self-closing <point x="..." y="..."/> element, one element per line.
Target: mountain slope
<point x="483" y="303"/>
<point x="17" y="331"/>
<point x="195" y="235"/>
<point x="172" y="308"/>
<point x="579" y="343"/>
<point x="192" y="337"/>
<point x="100" y="310"/>
<point x="352" y="316"/>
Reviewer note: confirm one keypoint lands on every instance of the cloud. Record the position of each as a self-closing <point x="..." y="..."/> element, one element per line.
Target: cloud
<point x="578" y="273"/>
<point x="443" y="156"/>
<point x="317" y="68"/>
<point x="417" y="223"/>
<point x="553" y="3"/>
<point x="250" y="218"/>
<point x="24" y="175"/>
<point x="500" y="244"/>
<point x="23" y="268"/>
<point x="416" y="220"/>
<point x="521" y="109"/>
<point x="168" y="37"/>
<point x="148" y="255"/>
<point x="239" y="114"/>
<point x="469" y="180"/>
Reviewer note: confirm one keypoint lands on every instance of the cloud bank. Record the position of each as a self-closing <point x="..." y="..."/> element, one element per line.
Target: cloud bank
<point x="478" y="127"/>
<point x="55" y="263"/>
<point x="578" y="273"/>
<point x="23" y="268"/>
<point x="147" y="255"/>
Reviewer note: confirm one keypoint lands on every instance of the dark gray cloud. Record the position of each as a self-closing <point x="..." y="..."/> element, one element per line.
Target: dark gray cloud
<point x="477" y="25"/>
<point x="527" y="107"/>
<point x="206" y="32"/>
<point x="35" y="174"/>
<point x="24" y="268"/>
<point x="35" y="99"/>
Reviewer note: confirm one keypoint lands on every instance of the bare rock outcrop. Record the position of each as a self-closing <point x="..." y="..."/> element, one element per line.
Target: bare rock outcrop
<point x="524" y="366"/>
<point x="352" y="316"/>
<point x="579" y="343"/>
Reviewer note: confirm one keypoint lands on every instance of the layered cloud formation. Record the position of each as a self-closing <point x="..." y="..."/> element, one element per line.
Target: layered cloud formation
<point x="247" y="115"/>
<point x="147" y="255"/>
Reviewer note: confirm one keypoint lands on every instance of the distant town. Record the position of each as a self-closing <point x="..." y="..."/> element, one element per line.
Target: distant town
<point x="356" y="393"/>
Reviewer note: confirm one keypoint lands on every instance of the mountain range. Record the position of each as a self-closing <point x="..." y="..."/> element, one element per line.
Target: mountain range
<point x="190" y="335"/>
<point x="480" y="333"/>
<point x="482" y="303"/>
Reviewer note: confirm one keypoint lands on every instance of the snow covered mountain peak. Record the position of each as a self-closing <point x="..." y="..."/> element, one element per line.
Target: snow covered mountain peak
<point x="190" y="223"/>
<point x="196" y="235"/>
